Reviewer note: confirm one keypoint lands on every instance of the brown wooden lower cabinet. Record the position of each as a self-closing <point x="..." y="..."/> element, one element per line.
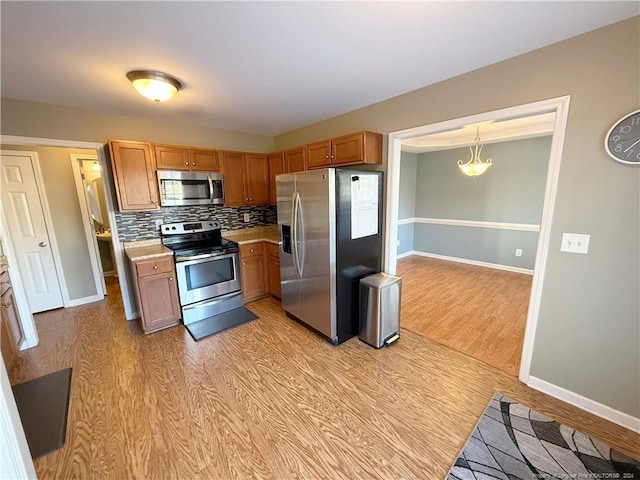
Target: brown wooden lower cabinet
<point x="11" y="333"/>
<point x="273" y="269"/>
<point x="157" y="293"/>
<point x="260" y="265"/>
<point x="254" y="284"/>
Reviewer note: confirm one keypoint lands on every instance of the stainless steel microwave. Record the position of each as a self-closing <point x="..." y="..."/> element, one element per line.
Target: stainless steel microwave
<point x="190" y="188"/>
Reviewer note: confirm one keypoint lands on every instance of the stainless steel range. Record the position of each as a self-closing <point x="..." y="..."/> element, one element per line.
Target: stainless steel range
<point x="207" y="268"/>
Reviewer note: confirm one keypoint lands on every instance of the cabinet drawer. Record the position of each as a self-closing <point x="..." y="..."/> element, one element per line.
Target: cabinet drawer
<point x="154" y="266"/>
<point x="272" y="249"/>
<point x="250" y="249"/>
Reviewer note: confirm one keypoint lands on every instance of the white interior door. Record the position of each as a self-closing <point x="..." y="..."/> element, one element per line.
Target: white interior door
<point x="25" y="217"/>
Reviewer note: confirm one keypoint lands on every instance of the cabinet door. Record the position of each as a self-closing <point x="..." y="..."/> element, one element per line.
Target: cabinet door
<point x="253" y="281"/>
<point x="12" y="319"/>
<point x="257" y="179"/>
<point x="319" y="155"/>
<point x="276" y="167"/>
<point x="134" y="173"/>
<point x="205" y="161"/>
<point x="158" y="301"/>
<point x="273" y="276"/>
<point x="347" y="149"/>
<point x="172" y="158"/>
<point x="295" y="160"/>
<point x="234" y="186"/>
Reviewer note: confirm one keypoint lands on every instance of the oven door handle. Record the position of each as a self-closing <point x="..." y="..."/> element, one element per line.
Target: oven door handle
<point x="200" y="257"/>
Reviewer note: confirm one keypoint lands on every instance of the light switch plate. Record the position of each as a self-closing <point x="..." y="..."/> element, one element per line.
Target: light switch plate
<point x="575" y="243"/>
<point x="246" y="217"/>
<point x="159" y="223"/>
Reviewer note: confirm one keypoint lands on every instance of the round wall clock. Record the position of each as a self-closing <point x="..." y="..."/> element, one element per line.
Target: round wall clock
<point x="622" y="142"/>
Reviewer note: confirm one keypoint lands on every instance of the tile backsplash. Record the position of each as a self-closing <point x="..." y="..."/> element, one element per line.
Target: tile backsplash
<point x="142" y="225"/>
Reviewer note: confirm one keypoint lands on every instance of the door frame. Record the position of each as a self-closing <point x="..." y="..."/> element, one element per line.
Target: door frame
<point x="31" y="338"/>
<point x="120" y="260"/>
<point x="559" y="105"/>
<point x="87" y="224"/>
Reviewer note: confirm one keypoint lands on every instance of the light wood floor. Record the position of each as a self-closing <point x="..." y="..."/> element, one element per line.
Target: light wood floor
<point x="268" y="399"/>
<point x="479" y="311"/>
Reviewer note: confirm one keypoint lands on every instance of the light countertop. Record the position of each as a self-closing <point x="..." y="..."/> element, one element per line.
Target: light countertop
<point x="146" y="249"/>
<point x="256" y="234"/>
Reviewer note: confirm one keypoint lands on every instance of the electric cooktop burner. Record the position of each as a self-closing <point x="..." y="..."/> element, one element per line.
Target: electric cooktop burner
<point x="196" y="238"/>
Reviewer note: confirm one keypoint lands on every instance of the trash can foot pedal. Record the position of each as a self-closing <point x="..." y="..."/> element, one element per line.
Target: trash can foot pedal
<point x="391" y="340"/>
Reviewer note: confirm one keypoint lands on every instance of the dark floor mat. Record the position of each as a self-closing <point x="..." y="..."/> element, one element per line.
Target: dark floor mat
<point x="220" y="322"/>
<point x="43" y="404"/>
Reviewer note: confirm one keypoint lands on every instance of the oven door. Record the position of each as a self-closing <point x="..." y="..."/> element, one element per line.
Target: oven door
<point x="204" y="277"/>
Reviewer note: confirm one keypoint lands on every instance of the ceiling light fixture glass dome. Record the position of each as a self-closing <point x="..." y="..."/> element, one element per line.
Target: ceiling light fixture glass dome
<point x="156" y="86"/>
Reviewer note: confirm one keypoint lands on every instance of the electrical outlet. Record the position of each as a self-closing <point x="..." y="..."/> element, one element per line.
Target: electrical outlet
<point x="159" y="223"/>
<point x="246" y="217"/>
<point x="518" y="252"/>
<point x="575" y="243"/>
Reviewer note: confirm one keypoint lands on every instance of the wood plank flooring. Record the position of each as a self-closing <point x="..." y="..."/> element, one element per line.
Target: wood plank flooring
<point x="269" y="400"/>
<point x="476" y="310"/>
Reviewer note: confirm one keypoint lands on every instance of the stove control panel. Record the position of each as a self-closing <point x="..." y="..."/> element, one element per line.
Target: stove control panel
<point x="189" y="227"/>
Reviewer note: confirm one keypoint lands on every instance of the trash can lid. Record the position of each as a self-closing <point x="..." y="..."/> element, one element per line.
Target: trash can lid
<point x="380" y="280"/>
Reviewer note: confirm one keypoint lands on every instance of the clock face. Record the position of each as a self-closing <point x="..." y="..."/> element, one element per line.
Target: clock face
<point x="622" y="143"/>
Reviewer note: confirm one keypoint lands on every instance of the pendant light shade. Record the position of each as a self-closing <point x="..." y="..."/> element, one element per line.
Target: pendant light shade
<point x="156" y="86"/>
<point x="475" y="167"/>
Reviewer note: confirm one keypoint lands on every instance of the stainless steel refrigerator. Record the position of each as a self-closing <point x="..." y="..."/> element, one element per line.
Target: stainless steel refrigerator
<point x="330" y="224"/>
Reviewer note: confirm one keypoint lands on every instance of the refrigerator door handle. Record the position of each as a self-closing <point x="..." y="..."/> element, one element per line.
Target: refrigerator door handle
<point x="303" y="241"/>
<point x="294" y="232"/>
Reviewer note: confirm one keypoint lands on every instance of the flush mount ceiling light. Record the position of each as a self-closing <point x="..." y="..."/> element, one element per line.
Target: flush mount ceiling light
<point x="156" y="86"/>
<point x="475" y="167"/>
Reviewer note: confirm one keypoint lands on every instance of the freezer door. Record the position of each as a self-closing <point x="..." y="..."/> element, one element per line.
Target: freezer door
<point x="289" y="279"/>
<point x="314" y="248"/>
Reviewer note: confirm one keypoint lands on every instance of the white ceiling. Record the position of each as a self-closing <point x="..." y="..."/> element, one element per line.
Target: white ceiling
<point x="268" y="67"/>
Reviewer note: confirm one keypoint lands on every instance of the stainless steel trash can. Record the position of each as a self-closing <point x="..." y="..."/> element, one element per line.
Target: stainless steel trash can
<point x="380" y="309"/>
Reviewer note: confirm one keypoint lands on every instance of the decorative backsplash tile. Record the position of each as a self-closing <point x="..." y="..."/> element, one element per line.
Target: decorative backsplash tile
<point x="142" y="225"/>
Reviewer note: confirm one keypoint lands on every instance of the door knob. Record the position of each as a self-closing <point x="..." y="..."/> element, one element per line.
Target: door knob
<point x="42" y="244"/>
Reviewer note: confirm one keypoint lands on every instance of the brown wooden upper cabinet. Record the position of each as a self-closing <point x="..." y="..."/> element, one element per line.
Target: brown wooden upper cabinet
<point x="171" y="157"/>
<point x="276" y="167"/>
<point x="134" y="174"/>
<point x="354" y="149"/>
<point x="295" y="160"/>
<point x="246" y="177"/>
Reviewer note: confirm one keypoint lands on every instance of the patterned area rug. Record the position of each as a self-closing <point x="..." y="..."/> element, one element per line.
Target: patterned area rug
<point x="513" y="442"/>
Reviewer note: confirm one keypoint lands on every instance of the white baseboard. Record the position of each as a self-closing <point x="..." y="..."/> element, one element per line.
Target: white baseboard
<point x="81" y="301"/>
<point x="477" y="263"/>
<point x="405" y="254"/>
<point x="615" y="416"/>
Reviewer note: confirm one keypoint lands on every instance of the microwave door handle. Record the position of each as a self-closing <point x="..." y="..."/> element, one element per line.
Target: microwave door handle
<point x="210" y="187"/>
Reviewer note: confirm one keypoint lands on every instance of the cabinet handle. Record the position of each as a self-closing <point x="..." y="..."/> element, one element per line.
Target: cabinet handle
<point x="244" y="264"/>
<point x="6" y="305"/>
<point x="186" y="163"/>
<point x="251" y="198"/>
<point x="153" y="201"/>
<point x="155" y="267"/>
<point x="326" y="156"/>
<point x="251" y="250"/>
<point x="171" y="279"/>
<point x="193" y="164"/>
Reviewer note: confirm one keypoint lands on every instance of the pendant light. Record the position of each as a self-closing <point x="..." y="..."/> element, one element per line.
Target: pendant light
<point x="475" y="167"/>
<point x="156" y="86"/>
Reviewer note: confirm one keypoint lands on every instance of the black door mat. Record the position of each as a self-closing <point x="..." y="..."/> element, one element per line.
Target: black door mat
<point x="220" y="322"/>
<point x="43" y="404"/>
